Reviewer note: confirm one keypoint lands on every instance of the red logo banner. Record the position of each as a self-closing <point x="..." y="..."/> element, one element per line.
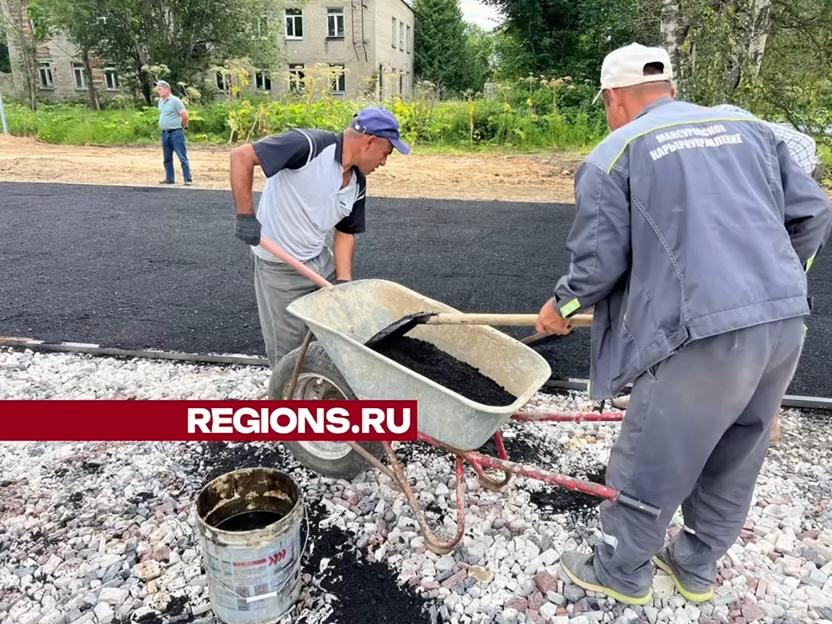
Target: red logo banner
<point x="200" y="421"/>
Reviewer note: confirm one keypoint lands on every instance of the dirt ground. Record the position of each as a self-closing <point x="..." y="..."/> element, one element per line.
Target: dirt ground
<point x="545" y="178"/>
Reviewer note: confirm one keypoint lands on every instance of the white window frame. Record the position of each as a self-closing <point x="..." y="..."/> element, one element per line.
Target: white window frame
<point x="401" y="35"/>
<point x="409" y="40"/>
<point x="294" y="15"/>
<point x="78" y="71"/>
<point x="333" y="16"/>
<point x="261" y="79"/>
<point x="340" y="79"/>
<point x="296" y="84"/>
<point x="393" y="39"/>
<point x="111" y="78"/>
<point x="222" y="81"/>
<point x="46" y="75"/>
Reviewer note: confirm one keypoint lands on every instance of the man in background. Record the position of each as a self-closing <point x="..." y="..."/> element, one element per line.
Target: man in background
<point x="317" y="181"/>
<point x="173" y="120"/>
<point x="802" y="147"/>
<point x="691" y="237"/>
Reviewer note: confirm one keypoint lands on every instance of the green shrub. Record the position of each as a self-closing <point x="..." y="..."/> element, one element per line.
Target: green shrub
<point x="529" y="115"/>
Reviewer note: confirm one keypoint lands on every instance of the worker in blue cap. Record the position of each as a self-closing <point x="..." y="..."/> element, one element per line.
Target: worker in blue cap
<point x="316" y="183"/>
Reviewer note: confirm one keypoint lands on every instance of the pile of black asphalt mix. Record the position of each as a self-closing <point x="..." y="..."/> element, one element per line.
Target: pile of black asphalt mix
<point x="437" y="365"/>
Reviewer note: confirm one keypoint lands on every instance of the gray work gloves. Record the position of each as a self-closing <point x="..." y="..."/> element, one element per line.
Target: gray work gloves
<point x="247" y="229"/>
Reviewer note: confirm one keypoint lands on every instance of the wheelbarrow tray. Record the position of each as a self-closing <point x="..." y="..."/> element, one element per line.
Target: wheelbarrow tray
<point x="344" y="317"/>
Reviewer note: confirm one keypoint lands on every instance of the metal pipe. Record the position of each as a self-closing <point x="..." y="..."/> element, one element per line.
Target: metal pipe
<point x="570" y="483"/>
<point x="532" y="472"/>
<point x="434" y="542"/>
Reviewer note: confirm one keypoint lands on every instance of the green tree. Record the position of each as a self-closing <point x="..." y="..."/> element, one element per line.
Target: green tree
<point x="73" y="19"/>
<point x="569" y="37"/>
<point x="14" y="26"/>
<point x="441" y="52"/>
<point x="480" y="55"/>
<point x="187" y="37"/>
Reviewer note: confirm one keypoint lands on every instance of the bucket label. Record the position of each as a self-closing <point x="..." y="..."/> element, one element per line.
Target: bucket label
<point x="242" y="579"/>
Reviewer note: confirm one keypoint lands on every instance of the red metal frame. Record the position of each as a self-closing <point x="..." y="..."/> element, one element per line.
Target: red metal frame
<point x="479" y="462"/>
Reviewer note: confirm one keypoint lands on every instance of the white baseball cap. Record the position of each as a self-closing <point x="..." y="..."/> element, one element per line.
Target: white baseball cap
<point x="624" y="67"/>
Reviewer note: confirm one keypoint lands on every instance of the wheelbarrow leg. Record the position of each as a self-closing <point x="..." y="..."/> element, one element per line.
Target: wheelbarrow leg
<point x="438" y="546"/>
<point x="299" y="364"/>
<point x="487" y="482"/>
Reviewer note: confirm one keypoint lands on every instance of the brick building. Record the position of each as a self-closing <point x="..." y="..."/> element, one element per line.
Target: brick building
<point x="370" y="40"/>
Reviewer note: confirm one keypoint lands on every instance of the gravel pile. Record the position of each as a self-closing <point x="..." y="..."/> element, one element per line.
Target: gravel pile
<point x="103" y="533"/>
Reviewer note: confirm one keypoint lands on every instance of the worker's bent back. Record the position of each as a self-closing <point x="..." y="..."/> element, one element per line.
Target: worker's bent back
<point x="717" y="220"/>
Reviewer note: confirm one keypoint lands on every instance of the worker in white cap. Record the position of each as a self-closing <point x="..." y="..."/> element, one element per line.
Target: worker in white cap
<point x="803" y="150"/>
<point x="691" y="238"/>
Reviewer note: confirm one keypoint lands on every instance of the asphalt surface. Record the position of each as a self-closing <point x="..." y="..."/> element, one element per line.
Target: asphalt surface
<point x="160" y="268"/>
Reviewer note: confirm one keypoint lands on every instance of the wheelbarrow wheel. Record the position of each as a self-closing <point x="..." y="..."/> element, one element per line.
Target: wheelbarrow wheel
<point x="319" y="379"/>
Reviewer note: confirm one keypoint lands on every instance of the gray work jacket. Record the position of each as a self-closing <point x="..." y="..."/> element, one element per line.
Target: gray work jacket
<point x="690" y="222"/>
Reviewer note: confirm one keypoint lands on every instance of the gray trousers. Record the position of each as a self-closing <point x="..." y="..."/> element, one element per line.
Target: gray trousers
<point x="696" y="435"/>
<point x="277" y="285"/>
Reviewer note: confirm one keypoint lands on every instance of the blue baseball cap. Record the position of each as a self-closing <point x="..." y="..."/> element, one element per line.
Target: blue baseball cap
<point x="381" y="123"/>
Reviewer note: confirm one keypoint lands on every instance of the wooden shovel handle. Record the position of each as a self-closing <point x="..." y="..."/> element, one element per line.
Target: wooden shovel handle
<point x="301" y="268"/>
<point x="501" y="320"/>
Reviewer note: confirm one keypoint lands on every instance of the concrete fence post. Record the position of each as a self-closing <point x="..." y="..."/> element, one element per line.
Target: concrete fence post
<point x="3" y="116"/>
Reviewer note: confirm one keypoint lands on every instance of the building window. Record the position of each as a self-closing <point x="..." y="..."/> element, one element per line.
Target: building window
<point x="111" y="78"/>
<point x="401" y="35"/>
<point x="409" y="48"/>
<point x="393" y="39"/>
<point x="46" y="79"/>
<point x="335" y="23"/>
<point x="80" y="75"/>
<point x="263" y="81"/>
<point x="296" y="78"/>
<point x="339" y="82"/>
<point x="222" y="81"/>
<point x="294" y="24"/>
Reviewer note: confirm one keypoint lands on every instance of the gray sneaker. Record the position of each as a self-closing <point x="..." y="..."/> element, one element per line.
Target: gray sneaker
<point x="692" y="589"/>
<point x="579" y="567"/>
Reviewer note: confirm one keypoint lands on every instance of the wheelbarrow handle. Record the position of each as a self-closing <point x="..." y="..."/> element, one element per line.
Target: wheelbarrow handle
<point x="497" y="320"/>
<point x="301" y="268"/>
<point x="639" y="505"/>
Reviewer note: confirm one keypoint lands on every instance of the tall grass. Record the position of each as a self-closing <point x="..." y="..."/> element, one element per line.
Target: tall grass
<point x="520" y="118"/>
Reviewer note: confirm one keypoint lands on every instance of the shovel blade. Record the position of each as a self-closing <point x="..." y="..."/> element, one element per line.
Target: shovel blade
<point x="398" y="328"/>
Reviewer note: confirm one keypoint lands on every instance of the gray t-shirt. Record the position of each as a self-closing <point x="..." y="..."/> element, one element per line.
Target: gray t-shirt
<point x="169" y="110"/>
<point x="303" y="200"/>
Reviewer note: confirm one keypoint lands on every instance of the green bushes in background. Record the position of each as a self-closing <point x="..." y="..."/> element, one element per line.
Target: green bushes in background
<point x="529" y="115"/>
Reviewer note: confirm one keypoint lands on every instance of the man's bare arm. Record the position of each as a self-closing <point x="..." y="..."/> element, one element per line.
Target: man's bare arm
<point x="344" y="251"/>
<point x="243" y="161"/>
<point x="183" y="114"/>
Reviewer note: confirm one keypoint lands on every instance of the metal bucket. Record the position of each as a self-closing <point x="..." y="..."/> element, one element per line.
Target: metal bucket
<point x="249" y="523"/>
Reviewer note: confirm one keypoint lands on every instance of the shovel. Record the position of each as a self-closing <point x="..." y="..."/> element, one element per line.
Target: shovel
<point x="301" y="268"/>
<point x="406" y="323"/>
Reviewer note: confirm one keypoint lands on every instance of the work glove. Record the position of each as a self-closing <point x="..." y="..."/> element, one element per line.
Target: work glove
<point x="247" y="229"/>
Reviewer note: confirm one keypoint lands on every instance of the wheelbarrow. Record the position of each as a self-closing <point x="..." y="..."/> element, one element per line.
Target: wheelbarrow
<point x="338" y="366"/>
